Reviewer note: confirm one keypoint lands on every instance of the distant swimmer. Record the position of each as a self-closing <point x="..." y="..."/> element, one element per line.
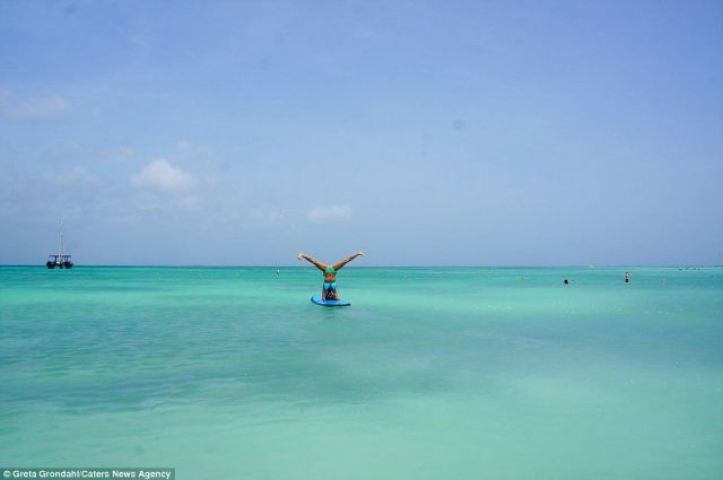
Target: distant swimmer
<point x="328" y="291"/>
<point x="566" y="281"/>
<point x="627" y="277"/>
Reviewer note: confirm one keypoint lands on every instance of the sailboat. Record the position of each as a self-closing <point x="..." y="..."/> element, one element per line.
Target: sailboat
<point x="61" y="259"/>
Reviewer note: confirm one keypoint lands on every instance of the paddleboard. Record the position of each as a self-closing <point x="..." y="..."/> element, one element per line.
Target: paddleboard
<point x="329" y="303"/>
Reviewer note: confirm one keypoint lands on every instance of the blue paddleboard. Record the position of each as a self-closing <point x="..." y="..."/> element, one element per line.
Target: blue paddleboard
<point x="329" y="303"/>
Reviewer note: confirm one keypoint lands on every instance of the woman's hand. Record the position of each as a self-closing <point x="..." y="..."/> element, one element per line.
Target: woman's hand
<point x="300" y="256"/>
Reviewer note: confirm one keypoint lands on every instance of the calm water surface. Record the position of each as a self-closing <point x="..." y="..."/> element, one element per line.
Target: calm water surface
<point x="432" y="373"/>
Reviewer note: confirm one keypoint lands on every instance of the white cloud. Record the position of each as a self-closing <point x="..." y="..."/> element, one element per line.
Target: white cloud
<point x="34" y="108"/>
<point x="333" y="213"/>
<point x="162" y="176"/>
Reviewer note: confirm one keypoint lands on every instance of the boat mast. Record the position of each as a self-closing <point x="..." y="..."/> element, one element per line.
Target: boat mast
<point x="60" y="232"/>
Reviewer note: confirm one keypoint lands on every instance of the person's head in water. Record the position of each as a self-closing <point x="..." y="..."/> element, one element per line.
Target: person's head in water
<point x="565" y="281"/>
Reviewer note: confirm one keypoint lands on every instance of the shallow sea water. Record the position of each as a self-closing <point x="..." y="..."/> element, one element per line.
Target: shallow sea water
<point x="432" y="373"/>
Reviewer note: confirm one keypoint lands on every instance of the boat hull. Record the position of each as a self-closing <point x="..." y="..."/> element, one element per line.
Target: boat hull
<point x="66" y="265"/>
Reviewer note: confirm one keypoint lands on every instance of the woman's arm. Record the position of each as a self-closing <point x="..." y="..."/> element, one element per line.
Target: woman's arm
<point x="318" y="263"/>
<point x="348" y="259"/>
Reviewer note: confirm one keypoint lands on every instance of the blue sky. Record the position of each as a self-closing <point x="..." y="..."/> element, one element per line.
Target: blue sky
<point x="425" y="133"/>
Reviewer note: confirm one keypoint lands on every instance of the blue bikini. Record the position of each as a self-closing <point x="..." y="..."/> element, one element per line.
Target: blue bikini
<point x="330" y="287"/>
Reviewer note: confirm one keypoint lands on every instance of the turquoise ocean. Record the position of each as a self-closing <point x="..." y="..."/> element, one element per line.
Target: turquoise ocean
<point x="432" y="373"/>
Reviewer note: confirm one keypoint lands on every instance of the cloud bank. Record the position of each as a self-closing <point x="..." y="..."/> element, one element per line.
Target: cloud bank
<point x="161" y="176"/>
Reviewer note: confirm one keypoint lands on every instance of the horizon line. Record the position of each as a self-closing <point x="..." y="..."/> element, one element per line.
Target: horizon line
<point x="102" y="265"/>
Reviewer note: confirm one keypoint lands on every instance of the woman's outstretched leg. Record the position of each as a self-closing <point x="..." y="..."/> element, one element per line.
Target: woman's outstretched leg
<point x="348" y="259"/>
<point x="317" y="263"/>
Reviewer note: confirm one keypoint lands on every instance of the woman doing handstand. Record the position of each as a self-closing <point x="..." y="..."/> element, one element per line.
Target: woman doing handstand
<point x="328" y="291"/>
